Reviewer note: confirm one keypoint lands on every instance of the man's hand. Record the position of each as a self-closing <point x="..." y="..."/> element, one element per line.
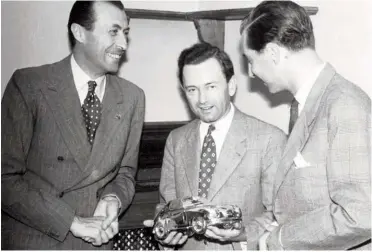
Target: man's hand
<point x="89" y="228"/>
<point x="108" y="208"/>
<point x="235" y="234"/>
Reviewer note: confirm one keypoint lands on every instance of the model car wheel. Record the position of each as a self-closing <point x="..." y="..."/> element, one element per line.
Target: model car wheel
<point x="159" y="231"/>
<point x="199" y="224"/>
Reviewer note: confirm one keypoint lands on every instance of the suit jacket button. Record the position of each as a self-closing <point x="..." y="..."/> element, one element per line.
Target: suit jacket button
<point x="61" y="194"/>
<point x="60" y="158"/>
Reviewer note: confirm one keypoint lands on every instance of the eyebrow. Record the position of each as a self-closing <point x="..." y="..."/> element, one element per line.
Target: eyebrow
<point x="119" y="27"/>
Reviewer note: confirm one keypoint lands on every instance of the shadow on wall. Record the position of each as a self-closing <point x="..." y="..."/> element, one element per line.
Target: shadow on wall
<point x="257" y="85"/>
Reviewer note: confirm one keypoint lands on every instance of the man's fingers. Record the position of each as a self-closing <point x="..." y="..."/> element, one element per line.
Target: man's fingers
<point x="148" y="223"/>
<point x="182" y="240"/>
<point x="112" y="214"/>
<point x="169" y="237"/>
<point x="104" y="236"/>
<point x="109" y="232"/>
<point x="115" y="227"/>
<point x="176" y="239"/>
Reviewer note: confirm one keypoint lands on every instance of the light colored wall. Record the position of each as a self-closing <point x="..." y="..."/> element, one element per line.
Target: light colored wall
<point x="34" y="33"/>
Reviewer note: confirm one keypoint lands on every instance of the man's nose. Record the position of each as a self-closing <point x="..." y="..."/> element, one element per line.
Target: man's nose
<point x="122" y="42"/>
<point x="202" y="97"/>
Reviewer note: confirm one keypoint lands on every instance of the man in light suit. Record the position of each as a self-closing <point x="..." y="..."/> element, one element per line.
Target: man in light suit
<point x="322" y="191"/>
<point x="70" y="139"/>
<point x="247" y="152"/>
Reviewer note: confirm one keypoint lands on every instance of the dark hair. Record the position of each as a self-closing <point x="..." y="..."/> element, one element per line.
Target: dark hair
<point x="82" y="13"/>
<point x="201" y="52"/>
<point x="283" y="22"/>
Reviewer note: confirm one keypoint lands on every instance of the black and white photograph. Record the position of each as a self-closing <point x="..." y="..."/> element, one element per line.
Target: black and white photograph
<point x="186" y="125"/>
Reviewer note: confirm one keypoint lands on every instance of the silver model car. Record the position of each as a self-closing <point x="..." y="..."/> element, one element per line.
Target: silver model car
<point x="189" y="216"/>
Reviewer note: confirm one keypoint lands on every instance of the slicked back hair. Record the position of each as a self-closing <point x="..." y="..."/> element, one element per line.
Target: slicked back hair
<point x="82" y="13"/>
<point x="201" y="52"/>
<point x="283" y="22"/>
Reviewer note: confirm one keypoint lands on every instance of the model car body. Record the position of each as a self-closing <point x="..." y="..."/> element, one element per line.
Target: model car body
<point x="189" y="215"/>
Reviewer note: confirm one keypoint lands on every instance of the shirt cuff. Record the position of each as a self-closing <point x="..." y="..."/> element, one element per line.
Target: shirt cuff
<point x="113" y="195"/>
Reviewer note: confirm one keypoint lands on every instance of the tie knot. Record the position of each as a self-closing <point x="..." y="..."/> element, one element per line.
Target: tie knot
<point x="210" y="129"/>
<point x="92" y="86"/>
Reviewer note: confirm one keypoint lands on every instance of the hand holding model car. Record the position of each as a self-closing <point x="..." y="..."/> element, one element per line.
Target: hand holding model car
<point x="190" y="215"/>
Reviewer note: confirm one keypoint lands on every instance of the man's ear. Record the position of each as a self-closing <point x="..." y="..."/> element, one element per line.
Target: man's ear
<point x="273" y="51"/>
<point x="276" y="52"/>
<point x="79" y="32"/>
<point x="232" y="85"/>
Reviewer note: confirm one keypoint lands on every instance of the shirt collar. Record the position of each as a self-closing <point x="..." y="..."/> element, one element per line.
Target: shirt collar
<point x="81" y="79"/>
<point x="305" y="89"/>
<point x="223" y="123"/>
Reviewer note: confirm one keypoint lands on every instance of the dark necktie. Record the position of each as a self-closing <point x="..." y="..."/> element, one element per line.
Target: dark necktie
<point x="293" y="115"/>
<point x="208" y="162"/>
<point x="91" y="111"/>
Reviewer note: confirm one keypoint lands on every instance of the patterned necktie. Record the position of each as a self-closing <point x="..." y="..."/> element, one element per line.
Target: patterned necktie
<point x="293" y="115"/>
<point x="91" y="109"/>
<point x="208" y="162"/>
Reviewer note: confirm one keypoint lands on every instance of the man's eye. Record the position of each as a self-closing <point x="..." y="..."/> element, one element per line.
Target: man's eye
<point x="191" y="90"/>
<point x="113" y="32"/>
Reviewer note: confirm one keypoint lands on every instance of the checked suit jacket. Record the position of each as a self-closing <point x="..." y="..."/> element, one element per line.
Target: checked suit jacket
<point x="324" y="202"/>
<point x="49" y="172"/>
<point x="243" y="176"/>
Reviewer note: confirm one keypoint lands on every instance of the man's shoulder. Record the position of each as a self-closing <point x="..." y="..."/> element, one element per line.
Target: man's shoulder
<point x="184" y="130"/>
<point x="256" y="125"/>
<point x="32" y="77"/>
<point x="341" y="91"/>
<point x="126" y="85"/>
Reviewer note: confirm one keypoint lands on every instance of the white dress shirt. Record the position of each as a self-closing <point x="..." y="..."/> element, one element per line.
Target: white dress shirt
<point x="305" y="89"/>
<point x="221" y="128"/>
<point x="81" y="82"/>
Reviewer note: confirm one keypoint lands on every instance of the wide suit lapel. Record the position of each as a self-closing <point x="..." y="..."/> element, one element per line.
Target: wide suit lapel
<point x="232" y="152"/>
<point x="114" y="112"/>
<point x="62" y="97"/>
<point x="304" y="125"/>
<point x="191" y="157"/>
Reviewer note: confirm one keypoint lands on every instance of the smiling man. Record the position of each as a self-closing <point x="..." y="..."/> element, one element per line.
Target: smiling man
<point x="70" y="139"/>
<point x="223" y="156"/>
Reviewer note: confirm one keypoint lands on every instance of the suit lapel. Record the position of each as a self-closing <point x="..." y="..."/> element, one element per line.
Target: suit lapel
<point x="191" y="158"/>
<point x="113" y="113"/>
<point x="302" y="129"/>
<point x="232" y="152"/>
<point x="62" y="97"/>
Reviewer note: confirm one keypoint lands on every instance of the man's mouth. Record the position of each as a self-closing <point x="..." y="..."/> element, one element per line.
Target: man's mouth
<point x="206" y="108"/>
<point x="115" y="56"/>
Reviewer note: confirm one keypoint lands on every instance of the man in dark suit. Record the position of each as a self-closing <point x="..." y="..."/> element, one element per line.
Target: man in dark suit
<point x="224" y="156"/>
<point x="322" y="190"/>
<point x="70" y="139"/>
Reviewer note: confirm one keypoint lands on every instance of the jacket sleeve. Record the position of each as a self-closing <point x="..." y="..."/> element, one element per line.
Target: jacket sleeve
<point x="40" y="209"/>
<point x="346" y="221"/>
<point x="269" y="162"/>
<point x="167" y="187"/>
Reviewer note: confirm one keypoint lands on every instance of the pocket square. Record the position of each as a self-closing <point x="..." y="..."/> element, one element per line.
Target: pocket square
<point x="300" y="162"/>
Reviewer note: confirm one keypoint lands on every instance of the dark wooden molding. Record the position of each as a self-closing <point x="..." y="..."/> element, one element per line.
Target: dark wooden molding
<point x="224" y="14"/>
<point x="152" y="143"/>
<point x="211" y="31"/>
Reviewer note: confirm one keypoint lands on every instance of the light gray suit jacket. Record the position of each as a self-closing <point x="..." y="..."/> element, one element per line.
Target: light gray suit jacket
<point x="49" y="173"/>
<point x="243" y="176"/>
<point x="326" y="203"/>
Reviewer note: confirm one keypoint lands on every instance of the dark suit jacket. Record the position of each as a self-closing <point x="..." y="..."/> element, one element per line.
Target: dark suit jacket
<point x="49" y="173"/>
<point x="244" y="174"/>
<point x="325" y="201"/>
